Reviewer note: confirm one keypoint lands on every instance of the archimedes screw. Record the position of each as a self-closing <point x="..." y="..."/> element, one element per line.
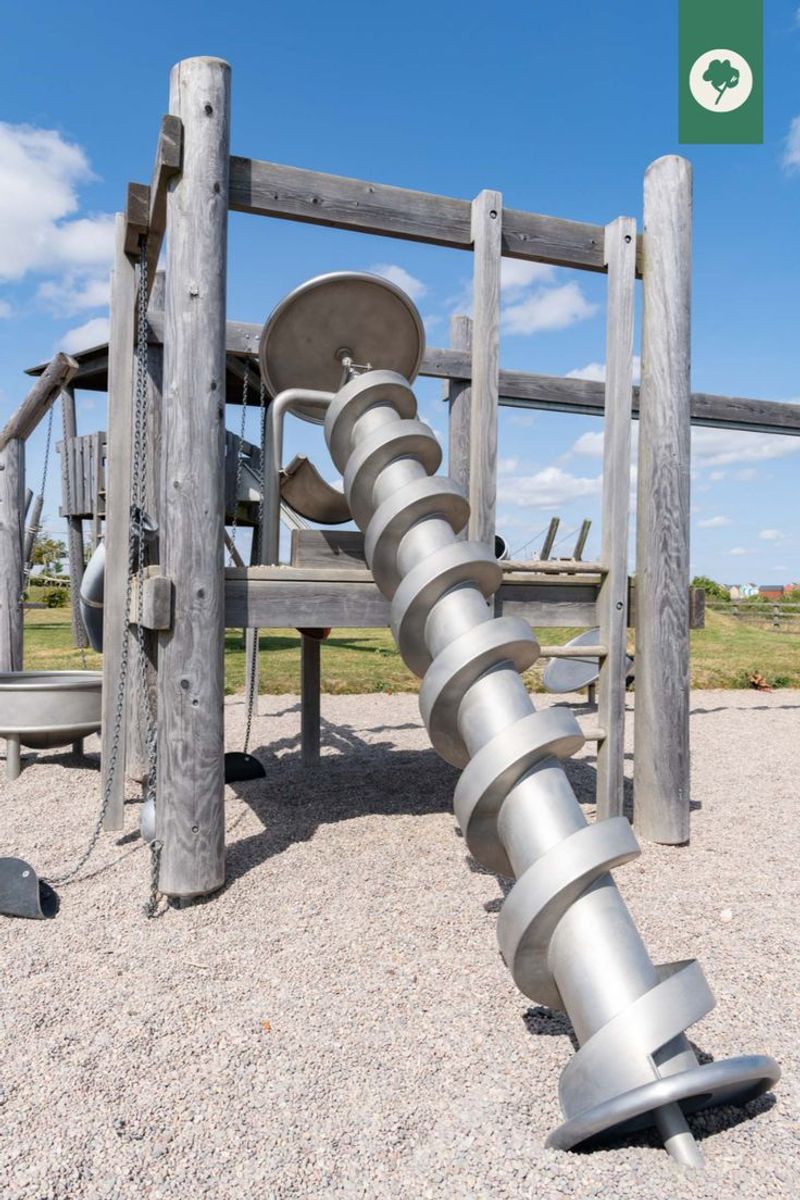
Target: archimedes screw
<point x="564" y="930"/>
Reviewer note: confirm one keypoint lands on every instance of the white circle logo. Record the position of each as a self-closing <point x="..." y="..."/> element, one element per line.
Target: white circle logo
<point x="721" y="80"/>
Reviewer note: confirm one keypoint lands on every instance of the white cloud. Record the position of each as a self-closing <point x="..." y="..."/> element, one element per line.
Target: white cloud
<point x="39" y="176"/>
<point x="83" y="337"/>
<point x="590" y="445"/>
<point x="413" y="287"/>
<point x="791" y="152"/>
<point x="522" y="420"/>
<point x="596" y="371"/>
<point x="548" y="309"/>
<point x="716" y="476"/>
<point x="74" y="294"/>
<point x="746" y="475"/>
<point x="549" y="488"/>
<point x="714" y="522"/>
<point x="721" y="447"/>
<point x="516" y="275"/>
<point x="771" y="535"/>
<point x="5" y="309"/>
<point x="738" y="551"/>
<point x="507" y="466"/>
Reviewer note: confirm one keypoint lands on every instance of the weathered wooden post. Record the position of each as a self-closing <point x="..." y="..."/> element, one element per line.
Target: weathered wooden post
<point x="12" y="505"/>
<point x="118" y="500"/>
<point x="75" y="549"/>
<point x="612" y="601"/>
<point x="487" y="229"/>
<point x="458" y="393"/>
<point x="137" y="750"/>
<point x="310" y="651"/>
<point x="661" y="755"/>
<point x="190" y="808"/>
<point x="19" y="426"/>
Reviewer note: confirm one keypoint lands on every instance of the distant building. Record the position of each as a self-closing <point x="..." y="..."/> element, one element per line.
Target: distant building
<point x="743" y="591"/>
<point x="771" y="591"/>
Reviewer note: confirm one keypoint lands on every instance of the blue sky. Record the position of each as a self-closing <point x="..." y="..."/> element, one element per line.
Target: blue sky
<point x="560" y="108"/>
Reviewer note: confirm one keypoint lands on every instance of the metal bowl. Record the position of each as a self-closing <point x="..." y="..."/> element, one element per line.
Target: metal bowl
<point x="49" y="708"/>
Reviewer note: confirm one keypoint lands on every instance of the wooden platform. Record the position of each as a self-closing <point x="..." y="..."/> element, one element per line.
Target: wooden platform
<point x="287" y="597"/>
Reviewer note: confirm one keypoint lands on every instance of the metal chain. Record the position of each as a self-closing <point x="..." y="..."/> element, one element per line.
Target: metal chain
<point x="135" y="532"/>
<point x="68" y="485"/>
<point x="258" y="532"/>
<point x="139" y="494"/>
<point x="151" y="904"/>
<point x="239" y="457"/>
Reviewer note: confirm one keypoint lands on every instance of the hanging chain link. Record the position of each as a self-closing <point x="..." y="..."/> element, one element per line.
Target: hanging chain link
<point x="139" y="508"/>
<point x="135" y="569"/>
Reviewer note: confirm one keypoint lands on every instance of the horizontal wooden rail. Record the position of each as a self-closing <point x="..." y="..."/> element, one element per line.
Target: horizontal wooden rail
<point x="518" y="389"/>
<point x="523" y="389"/>
<point x="296" y="194"/>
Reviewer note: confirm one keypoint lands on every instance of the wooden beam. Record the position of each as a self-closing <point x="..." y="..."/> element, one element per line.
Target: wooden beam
<point x="525" y="389"/>
<point x="12" y="507"/>
<point x="273" y="190"/>
<point x="118" y="500"/>
<point x="487" y="220"/>
<point x="661" y="753"/>
<point x="190" y="816"/>
<point x="458" y="393"/>
<point x="137" y="216"/>
<point x="310" y="685"/>
<point x="285" y="597"/>
<point x="75" y="548"/>
<point x="56" y="375"/>
<point x="620" y="253"/>
<point x="169" y="156"/>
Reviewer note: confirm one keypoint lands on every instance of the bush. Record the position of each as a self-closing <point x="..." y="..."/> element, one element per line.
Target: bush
<point x="55" y="597"/>
<point x="712" y="589"/>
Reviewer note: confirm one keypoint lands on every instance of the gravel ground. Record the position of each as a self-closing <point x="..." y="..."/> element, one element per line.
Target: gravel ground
<point x="337" y="1021"/>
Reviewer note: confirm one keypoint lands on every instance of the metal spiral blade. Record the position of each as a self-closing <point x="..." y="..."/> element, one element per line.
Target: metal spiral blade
<point x="565" y="932"/>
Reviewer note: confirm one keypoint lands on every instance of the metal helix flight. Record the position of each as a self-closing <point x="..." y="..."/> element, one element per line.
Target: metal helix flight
<point x="564" y="930"/>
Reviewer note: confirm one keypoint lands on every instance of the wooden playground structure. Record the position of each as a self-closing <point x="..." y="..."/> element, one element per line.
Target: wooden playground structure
<point x="461" y="619"/>
<point x="198" y="361"/>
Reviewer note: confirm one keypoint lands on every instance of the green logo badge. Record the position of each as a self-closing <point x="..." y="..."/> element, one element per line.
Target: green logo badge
<point x="721" y="69"/>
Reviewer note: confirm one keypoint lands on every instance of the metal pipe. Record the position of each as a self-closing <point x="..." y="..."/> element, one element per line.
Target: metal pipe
<point x="273" y="461"/>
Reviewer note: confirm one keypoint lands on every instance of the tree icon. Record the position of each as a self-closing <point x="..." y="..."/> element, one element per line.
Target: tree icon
<point x="721" y="75"/>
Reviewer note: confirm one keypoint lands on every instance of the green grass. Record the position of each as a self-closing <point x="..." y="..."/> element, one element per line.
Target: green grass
<point x="724" y="655"/>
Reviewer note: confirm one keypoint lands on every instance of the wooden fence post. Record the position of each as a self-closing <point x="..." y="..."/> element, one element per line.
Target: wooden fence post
<point x="661" y="757"/>
<point x="75" y="549"/>
<point x="12" y="507"/>
<point x="458" y="393"/>
<point x="487" y="230"/>
<point x="612" y="601"/>
<point x="190" y="807"/>
<point x="118" y="500"/>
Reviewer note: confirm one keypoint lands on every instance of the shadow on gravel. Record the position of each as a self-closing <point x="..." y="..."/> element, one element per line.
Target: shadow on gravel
<point x="367" y="777"/>
<point x="702" y="1124"/>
